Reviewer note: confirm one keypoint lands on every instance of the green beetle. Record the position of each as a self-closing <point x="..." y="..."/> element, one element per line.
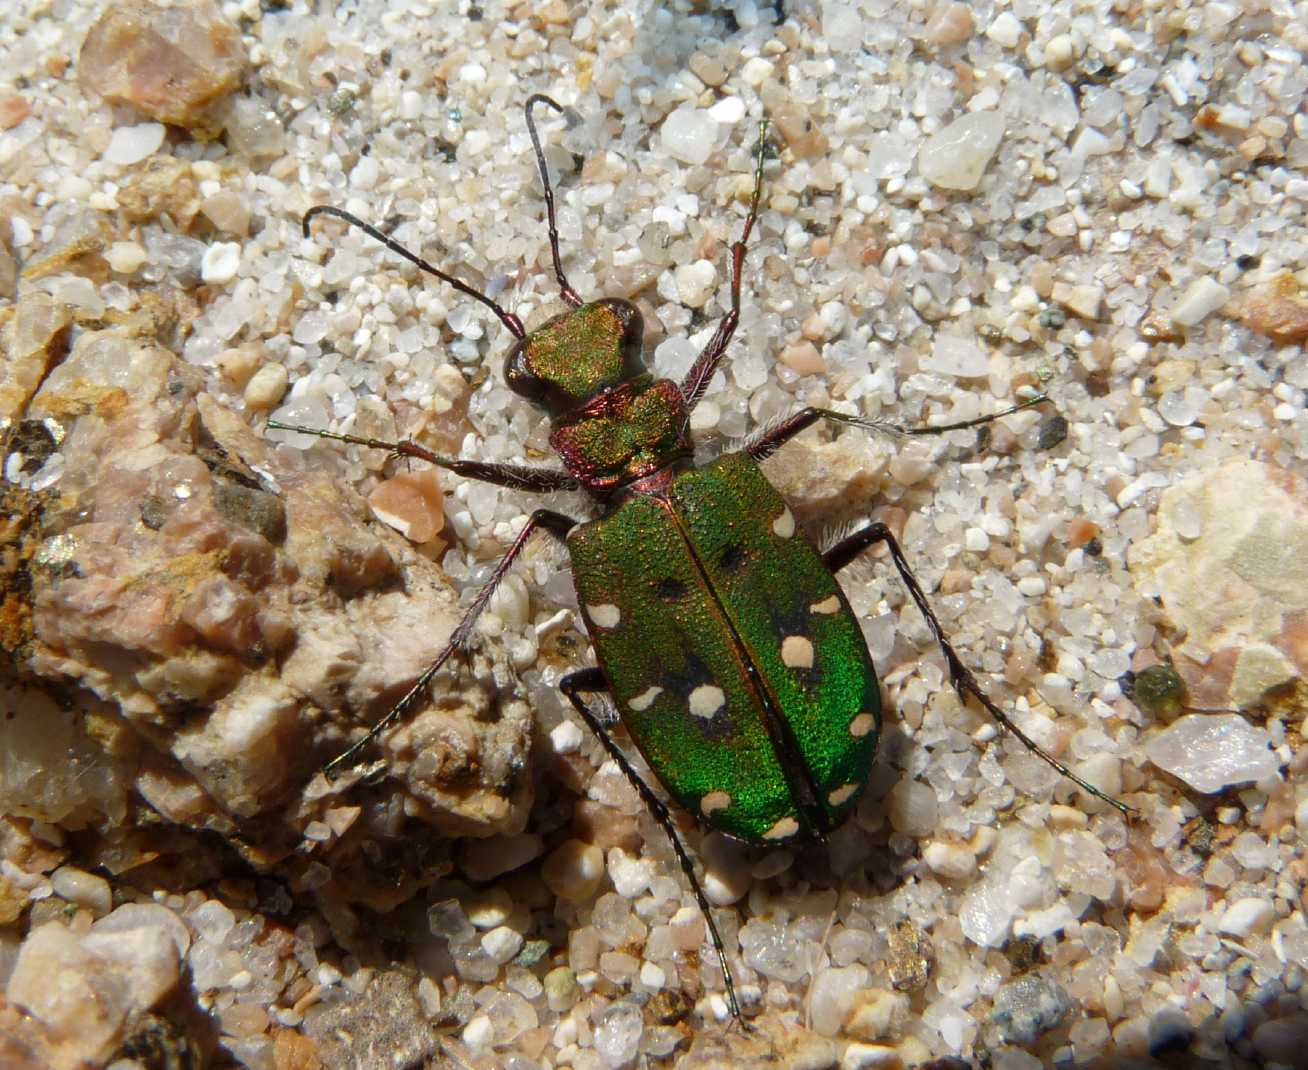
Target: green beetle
<point x="732" y="655"/>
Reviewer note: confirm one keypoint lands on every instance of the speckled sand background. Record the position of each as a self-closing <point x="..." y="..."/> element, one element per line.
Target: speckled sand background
<point x="1104" y="201"/>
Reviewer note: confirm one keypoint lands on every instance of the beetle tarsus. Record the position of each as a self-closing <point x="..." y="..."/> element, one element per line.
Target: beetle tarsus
<point x="592" y="681"/>
<point x="960" y="677"/>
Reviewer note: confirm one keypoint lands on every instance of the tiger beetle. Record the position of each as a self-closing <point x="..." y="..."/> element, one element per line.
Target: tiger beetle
<point x="721" y="635"/>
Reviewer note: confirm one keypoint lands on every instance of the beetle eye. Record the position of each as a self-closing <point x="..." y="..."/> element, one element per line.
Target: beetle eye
<point x="519" y="376"/>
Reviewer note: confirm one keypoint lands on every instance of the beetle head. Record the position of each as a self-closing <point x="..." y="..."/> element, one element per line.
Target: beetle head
<point x="577" y="355"/>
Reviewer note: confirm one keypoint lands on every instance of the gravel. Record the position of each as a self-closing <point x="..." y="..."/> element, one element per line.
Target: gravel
<point x="967" y="204"/>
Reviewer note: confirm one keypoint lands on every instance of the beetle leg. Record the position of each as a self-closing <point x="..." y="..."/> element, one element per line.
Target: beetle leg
<point x="960" y="676"/>
<point x="515" y="476"/>
<point x="779" y="434"/>
<point x="697" y="379"/>
<point x="557" y="525"/>
<point x="593" y="681"/>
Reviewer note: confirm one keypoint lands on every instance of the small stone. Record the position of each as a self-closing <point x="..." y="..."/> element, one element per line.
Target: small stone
<point x="574" y="870"/>
<point x="510" y="1016"/>
<point x="171" y="64"/>
<point x="653" y="976"/>
<point x="125" y="257"/>
<point x="688" y="928"/>
<point x="1247" y="916"/>
<point x="132" y="144"/>
<point x="727" y="874"/>
<point x="566" y="737"/>
<point x="221" y="262"/>
<point x="952" y="24"/>
<point x="561" y="988"/>
<point x="630" y="875"/>
<point x="1169" y="1032"/>
<point x="1278" y="312"/>
<point x="1282" y="1041"/>
<point x="266" y="387"/>
<point x="708" y="69"/>
<point x="871" y="1057"/>
<point x="1201" y="297"/>
<point x="479" y="1032"/>
<point x="411" y="502"/>
<point x="1159" y="691"/>
<point x="617" y="1035"/>
<point x="253" y="129"/>
<point x="756" y="71"/>
<point x="488" y="858"/>
<point x="913" y="808"/>
<point x="833" y="995"/>
<point x="502" y="944"/>
<point x="802" y="136"/>
<point x="1029" y="1007"/>
<point x="950" y="860"/>
<point x="957" y="356"/>
<point x="227" y="211"/>
<point x="1005" y="30"/>
<point x="728" y="111"/>
<point x="447" y="919"/>
<point x="768" y="948"/>
<point x="876" y="1013"/>
<point x="365" y="173"/>
<point x="1213" y="751"/>
<point x="689" y="134"/>
<point x="489" y="908"/>
<point x="803" y="358"/>
<point x="84" y="889"/>
<point x="695" y="282"/>
<point x="956" y="157"/>
<point x="146" y="916"/>
<point x="14" y="108"/>
<point x="1060" y="52"/>
<point x="1081" y="300"/>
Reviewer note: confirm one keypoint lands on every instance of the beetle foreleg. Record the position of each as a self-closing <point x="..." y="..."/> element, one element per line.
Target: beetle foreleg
<point x="557" y="525"/>
<point x="960" y="676"/>
<point x="514" y="476"/>
<point x="697" y="379"/>
<point x="592" y="681"/>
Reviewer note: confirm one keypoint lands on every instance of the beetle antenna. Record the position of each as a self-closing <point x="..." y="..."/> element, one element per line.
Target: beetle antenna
<point x="569" y="294"/>
<point x="507" y="318"/>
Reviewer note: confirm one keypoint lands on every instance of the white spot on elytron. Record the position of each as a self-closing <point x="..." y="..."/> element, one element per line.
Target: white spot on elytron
<point x="784" y="525"/>
<point x="605" y="615"/>
<point x="842" y="794"/>
<point x="706" y="700"/>
<point x="827" y="605"/>
<point x="862" y="725"/>
<point x="645" y="699"/>
<point x="797" y="652"/>
<point x="787" y="826"/>
<point x="714" y="800"/>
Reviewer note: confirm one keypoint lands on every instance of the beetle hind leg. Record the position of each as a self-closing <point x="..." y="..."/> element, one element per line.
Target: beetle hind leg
<point x="593" y="681"/>
<point x="960" y="676"/>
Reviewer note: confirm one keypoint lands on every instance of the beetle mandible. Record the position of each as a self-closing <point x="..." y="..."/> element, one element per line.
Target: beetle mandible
<point x="721" y="634"/>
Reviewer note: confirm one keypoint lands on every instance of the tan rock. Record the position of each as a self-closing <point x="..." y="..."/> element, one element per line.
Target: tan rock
<point x="1229" y="558"/>
<point x="172" y="64"/>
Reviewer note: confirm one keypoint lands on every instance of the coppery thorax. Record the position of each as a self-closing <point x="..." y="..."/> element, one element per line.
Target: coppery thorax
<point x="623" y="434"/>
